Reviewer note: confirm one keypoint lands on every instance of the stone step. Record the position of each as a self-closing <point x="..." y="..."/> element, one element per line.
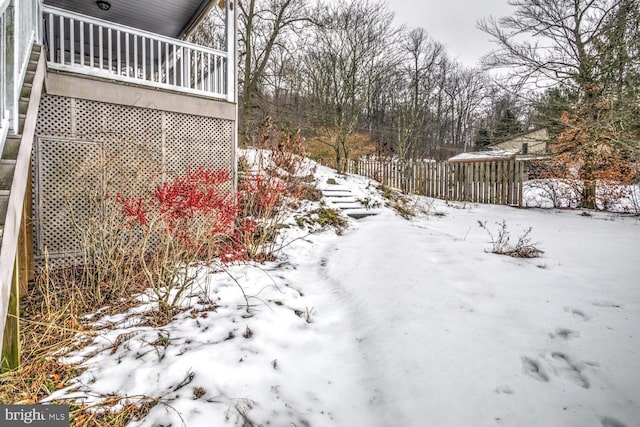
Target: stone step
<point x="361" y="214"/>
<point x="344" y="200"/>
<point x="7" y="169"/>
<point x="353" y="205"/>
<point x="338" y="196"/>
<point x="335" y="190"/>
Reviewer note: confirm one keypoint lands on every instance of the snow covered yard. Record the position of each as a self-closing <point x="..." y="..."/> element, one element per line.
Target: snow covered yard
<point x="398" y="323"/>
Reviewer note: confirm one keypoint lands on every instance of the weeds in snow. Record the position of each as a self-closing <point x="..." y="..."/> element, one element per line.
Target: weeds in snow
<point x="323" y="217"/>
<point x="500" y="241"/>
<point x="404" y="205"/>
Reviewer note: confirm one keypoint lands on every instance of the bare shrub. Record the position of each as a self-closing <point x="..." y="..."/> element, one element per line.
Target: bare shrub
<point x="276" y="179"/>
<point x="146" y="226"/>
<point x="122" y="170"/>
<point x="324" y="217"/>
<point x="404" y="205"/>
<point x="610" y="195"/>
<point x="559" y="181"/>
<point x="262" y="203"/>
<point x="634" y="200"/>
<point x="185" y="223"/>
<point x="500" y="241"/>
<point x="560" y="193"/>
<point x="614" y="184"/>
<point x="282" y="155"/>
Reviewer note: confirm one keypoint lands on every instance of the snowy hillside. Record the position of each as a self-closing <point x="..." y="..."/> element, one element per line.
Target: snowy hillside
<point x="397" y="322"/>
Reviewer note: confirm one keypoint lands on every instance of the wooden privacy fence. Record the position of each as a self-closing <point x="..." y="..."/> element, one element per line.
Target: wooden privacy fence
<point x="497" y="182"/>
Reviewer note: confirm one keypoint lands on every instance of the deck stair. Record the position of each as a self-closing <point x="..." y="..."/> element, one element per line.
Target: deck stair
<point x="9" y="154"/>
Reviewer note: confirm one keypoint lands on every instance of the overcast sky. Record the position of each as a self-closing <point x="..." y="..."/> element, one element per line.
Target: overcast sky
<point x="452" y="23"/>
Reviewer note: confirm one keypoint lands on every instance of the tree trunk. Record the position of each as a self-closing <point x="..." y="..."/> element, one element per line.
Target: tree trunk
<point x="589" y="182"/>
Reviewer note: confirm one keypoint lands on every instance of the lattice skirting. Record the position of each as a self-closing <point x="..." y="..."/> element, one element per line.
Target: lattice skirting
<point x="82" y="147"/>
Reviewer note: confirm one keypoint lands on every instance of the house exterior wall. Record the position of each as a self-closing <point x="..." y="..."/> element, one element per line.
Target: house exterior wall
<point x="73" y="133"/>
<point x="536" y="140"/>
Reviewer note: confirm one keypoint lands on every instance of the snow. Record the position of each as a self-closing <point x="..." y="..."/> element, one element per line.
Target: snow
<point x="398" y="323"/>
<point x="488" y="155"/>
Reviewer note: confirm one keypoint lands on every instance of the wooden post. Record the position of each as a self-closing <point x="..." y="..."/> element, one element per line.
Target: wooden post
<point x="475" y="185"/>
<point x="510" y="180"/>
<point x="436" y="173"/>
<point x="11" y="338"/>
<point x="25" y="253"/>
<point x="492" y="183"/>
<point x="520" y="174"/>
<point x="484" y="185"/>
<point x="470" y="181"/>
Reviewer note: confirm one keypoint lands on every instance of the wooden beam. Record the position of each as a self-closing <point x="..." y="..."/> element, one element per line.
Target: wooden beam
<point x="25" y="255"/>
<point x="11" y="336"/>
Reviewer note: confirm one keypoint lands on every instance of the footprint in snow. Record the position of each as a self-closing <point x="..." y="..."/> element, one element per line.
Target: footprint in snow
<point x="532" y="368"/>
<point x="560" y="364"/>
<point x="611" y="422"/>
<point x="504" y="389"/>
<point x="568" y="369"/>
<point x="564" y="334"/>
<point x="577" y="313"/>
<point x="605" y="304"/>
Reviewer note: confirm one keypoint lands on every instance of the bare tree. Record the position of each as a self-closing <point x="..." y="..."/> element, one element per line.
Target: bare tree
<point x="581" y="47"/>
<point x="265" y="26"/>
<point x="413" y="93"/>
<point x="348" y="53"/>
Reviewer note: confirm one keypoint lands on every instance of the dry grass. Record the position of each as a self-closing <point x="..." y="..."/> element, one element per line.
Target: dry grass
<point x="524" y="248"/>
<point x="52" y="318"/>
<point x="404" y="206"/>
<point x="113" y="411"/>
<point x="52" y="325"/>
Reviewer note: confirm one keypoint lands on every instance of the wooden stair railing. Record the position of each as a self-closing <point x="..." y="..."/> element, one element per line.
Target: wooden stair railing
<point x="16" y="236"/>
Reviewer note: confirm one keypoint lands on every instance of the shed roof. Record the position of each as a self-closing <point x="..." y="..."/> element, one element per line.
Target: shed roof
<point x="171" y="18"/>
<point x="484" y="156"/>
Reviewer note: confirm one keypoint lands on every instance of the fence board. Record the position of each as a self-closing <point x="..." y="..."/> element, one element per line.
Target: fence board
<point x="478" y="182"/>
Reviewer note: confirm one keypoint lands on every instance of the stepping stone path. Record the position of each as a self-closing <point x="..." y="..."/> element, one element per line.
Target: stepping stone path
<point x="344" y="200"/>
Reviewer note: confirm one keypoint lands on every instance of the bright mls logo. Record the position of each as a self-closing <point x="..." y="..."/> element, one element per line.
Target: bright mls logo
<point x="34" y="415"/>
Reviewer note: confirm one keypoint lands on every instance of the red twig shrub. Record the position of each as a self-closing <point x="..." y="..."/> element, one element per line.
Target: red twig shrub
<point x="197" y="211"/>
<point x="262" y="202"/>
<point x="184" y="222"/>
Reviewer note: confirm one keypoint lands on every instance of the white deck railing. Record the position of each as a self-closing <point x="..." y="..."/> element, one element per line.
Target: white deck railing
<point x="4" y="98"/>
<point x="19" y="30"/>
<point x="90" y="46"/>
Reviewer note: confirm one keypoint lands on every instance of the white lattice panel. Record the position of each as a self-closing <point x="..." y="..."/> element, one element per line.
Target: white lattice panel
<point x="55" y="117"/>
<point x="198" y="141"/>
<point x="60" y="203"/>
<point x="138" y="144"/>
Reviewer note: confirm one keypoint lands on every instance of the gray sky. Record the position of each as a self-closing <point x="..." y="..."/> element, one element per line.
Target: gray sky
<point x="452" y="22"/>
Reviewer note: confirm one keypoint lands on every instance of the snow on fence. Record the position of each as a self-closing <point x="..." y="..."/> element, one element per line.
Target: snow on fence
<point x="496" y="182"/>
